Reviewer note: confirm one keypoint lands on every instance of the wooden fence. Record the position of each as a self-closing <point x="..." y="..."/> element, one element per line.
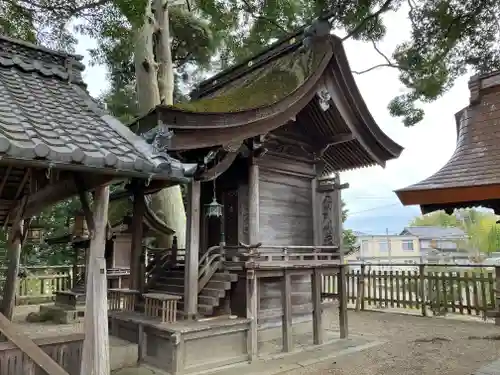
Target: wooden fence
<point x="429" y="289"/>
<point x="42" y="282"/>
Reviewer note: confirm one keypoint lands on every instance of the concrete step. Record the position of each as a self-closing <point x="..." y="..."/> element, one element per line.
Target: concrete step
<point x="168" y="288"/>
<point x="207" y="300"/>
<point x="212" y="292"/>
<point x="221" y="276"/>
<point x="221" y="285"/>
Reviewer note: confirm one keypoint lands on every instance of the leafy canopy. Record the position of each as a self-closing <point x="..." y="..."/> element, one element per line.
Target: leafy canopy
<point x="448" y="37"/>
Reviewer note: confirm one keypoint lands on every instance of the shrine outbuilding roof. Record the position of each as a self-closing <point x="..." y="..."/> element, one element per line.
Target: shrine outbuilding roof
<point x="302" y="80"/>
<point x="47" y="118"/>
<point x="472" y="175"/>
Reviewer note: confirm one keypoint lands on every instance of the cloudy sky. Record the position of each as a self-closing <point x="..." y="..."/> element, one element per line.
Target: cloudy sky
<point x="427" y="146"/>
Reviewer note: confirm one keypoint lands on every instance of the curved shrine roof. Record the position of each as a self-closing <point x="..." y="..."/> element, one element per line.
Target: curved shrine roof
<point x="472" y="175"/>
<point x="268" y="91"/>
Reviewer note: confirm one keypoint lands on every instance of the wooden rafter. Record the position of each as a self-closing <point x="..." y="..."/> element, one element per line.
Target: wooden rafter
<point x="22" y="185"/>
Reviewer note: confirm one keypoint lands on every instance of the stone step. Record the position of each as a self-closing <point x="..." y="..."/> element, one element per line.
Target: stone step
<point x="212" y="292"/>
<point x="221" y="276"/>
<point x="208" y="300"/>
<point x="221" y="285"/>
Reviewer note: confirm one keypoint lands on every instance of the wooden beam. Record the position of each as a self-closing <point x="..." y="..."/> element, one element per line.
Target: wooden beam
<point x="95" y="356"/>
<point x="64" y="189"/>
<point x="286" y="326"/>
<point x="84" y="200"/>
<point x="336" y="140"/>
<point x="5" y="178"/>
<point x="29" y="348"/>
<point x="22" y="185"/>
<point x="192" y="250"/>
<point x="221" y="167"/>
<point x="14" y="246"/>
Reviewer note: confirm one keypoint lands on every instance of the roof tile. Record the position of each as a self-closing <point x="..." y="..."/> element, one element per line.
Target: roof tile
<point x="46" y="113"/>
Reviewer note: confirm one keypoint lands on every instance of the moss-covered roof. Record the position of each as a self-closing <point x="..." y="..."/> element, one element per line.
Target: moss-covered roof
<point x="266" y="85"/>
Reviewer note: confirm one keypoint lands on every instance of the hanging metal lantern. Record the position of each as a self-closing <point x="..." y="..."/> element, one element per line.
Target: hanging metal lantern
<point x="214" y="208"/>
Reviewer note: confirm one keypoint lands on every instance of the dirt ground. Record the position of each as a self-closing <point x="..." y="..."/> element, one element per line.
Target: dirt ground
<point x="414" y="346"/>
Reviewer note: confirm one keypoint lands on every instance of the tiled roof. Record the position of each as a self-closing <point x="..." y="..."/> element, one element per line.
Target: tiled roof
<point x="430" y="232"/>
<point x="47" y="114"/>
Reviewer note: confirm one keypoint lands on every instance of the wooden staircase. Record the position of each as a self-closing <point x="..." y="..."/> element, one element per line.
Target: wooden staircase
<point x="213" y="284"/>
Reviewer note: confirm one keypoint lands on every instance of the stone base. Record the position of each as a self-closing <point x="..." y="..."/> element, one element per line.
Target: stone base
<point x="63" y="314"/>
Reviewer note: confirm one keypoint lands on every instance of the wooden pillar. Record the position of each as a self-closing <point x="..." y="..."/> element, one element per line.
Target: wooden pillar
<point x="315" y="213"/>
<point x="317" y="309"/>
<point x="286" y="299"/>
<point x="332" y="235"/>
<point x="192" y="250"/>
<point x="497" y="295"/>
<point x="14" y="246"/>
<point x="74" y="280"/>
<point x="95" y="356"/>
<point x="253" y="203"/>
<point x="139" y="208"/>
<point x="252" y="314"/>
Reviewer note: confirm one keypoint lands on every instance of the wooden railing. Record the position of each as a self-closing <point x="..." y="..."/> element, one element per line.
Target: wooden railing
<point x="281" y="256"/>
<point x="427" y="289"/>
<point x="210" y="262"/>
<point x="54" y="356"/>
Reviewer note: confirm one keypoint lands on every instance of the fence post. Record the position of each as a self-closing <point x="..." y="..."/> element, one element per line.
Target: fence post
<point x="423" y="306"/>
<point x="360" y="300"/>
<point x="497" y="295"/>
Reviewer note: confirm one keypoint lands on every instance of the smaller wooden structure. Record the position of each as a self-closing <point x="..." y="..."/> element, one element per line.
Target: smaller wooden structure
<point x="472" y="176"/>
<point x="57" y="142"/>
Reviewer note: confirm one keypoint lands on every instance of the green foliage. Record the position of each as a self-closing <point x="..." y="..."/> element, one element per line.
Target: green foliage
<point x="448" y="37"/>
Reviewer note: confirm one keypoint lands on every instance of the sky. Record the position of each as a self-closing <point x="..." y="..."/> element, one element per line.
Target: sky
<point x="373" y="207"/>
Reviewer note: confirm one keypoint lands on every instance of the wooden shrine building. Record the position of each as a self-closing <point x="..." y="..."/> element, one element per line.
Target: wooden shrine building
<point x="56" y="142"/>
<point x="270" y="136"/>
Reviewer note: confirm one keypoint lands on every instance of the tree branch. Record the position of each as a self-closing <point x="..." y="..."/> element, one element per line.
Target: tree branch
<point x="376" y="67"/>
<point x="255" y="14"/>
<point x="374" y="15"/>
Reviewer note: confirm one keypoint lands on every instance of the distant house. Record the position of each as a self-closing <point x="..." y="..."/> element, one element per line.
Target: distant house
<point x="384" y="249"/>
<point x="440" y="244"/>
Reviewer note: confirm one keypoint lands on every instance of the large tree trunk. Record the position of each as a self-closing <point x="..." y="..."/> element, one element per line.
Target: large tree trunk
<point x="155" y="85"/>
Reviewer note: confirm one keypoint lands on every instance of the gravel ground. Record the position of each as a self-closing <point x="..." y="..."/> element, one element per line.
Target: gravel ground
<point x="415" y="346"/>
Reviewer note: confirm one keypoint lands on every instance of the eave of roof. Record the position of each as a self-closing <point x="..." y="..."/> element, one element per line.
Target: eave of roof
<point x="204" y="129"/>
<point x="472" y="175"/>
<point x="47" y="118"/>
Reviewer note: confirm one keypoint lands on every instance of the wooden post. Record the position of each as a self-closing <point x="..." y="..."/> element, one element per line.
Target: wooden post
<point x="422" y="289"/>
<point x="286" y="325"/>
<point x="192" y="250"/>
<point x="317" y="310"/>
<point x="75" y="267"/>
<point x="253" y="203"/>
<point x="315" y="213"/>
<point x="252" y="314"/>
<point x="139" y="208"/>
<point x="497" y="295"/>
<point x="14" y="246"/>
<point x="95" y="356"/>
<point x="360" y="292"/>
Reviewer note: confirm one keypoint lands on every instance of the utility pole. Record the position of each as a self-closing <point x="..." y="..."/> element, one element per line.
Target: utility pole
<point x="389" y="246"/>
